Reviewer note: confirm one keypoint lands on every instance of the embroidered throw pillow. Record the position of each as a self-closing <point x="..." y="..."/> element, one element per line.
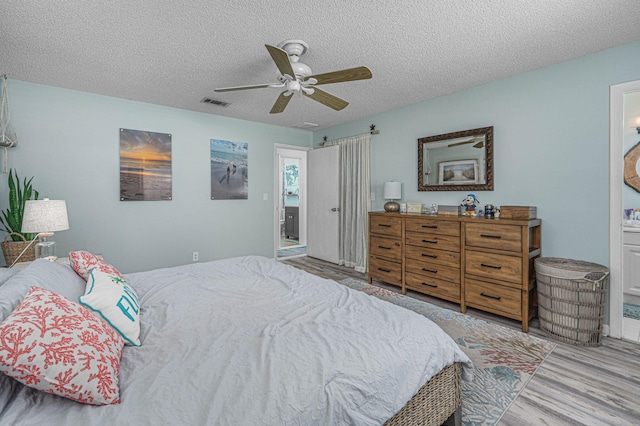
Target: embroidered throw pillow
<point x="117" y="303"/>
<point x="83" y="262"/>
<point x="57" y="346"/>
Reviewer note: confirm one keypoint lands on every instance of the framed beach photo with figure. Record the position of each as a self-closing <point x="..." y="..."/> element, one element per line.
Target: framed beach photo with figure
<point x="229" y="170"/>
<point x="462" y="172"/>
<point x="145" y="166"/>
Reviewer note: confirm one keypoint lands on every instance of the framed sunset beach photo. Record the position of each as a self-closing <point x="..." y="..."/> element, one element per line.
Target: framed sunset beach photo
<point x="145" y="166"/>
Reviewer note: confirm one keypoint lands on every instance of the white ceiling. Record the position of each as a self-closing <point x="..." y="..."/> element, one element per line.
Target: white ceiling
<point x="175" y="52"/>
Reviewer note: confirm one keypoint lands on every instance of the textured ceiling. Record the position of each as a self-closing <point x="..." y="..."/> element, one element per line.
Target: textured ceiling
<point x="176" y="52"/>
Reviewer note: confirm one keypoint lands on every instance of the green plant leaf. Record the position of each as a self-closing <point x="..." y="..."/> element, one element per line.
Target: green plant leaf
<point x="11" y="219"/>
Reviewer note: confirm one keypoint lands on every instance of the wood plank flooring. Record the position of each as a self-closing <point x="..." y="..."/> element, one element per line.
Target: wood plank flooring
<point x="574" y="386"/>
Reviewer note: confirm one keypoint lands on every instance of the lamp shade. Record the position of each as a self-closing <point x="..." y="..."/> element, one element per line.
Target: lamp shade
<point x="45" y="216"/>
<point x="392" y="191"/>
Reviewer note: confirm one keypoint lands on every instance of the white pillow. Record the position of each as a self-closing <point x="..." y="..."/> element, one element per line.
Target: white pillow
<point x="117" y="303"/>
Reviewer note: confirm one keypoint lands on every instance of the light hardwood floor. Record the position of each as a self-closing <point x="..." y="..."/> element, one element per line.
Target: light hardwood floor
<point x="574" y="385"/>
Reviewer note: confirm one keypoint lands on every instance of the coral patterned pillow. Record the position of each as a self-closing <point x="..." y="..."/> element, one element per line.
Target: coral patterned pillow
<point x="116" y="302"/>
<point x="54" y="345"/>
<point x="83" y="262"/>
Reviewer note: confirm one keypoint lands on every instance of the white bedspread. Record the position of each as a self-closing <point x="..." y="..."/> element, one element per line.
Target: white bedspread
<point x="250" y="341"/>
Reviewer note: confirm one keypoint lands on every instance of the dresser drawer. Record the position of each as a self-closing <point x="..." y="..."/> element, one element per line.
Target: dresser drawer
<point x="435" y="287"/>
<point x="386" y="247"/>
<point x="385" y="225"/>
<point x="496" y="266"/>
<point x="432" y="226"/>
<point x="385" y="270"/>
<point x="450" y="258"/>
<point x="495" y="298"/>
<point x="433" y="241"/>
<point x="500" y="237"/>
<point x="433" y="270"/>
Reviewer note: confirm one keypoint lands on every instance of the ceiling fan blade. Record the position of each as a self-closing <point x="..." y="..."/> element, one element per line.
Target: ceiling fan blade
<point x="281" y="58"/>
<point x="281" y="103"/>
<point x="459" y="143"/>
<point x="351" y="74"/>
<point x="478" y="140"/>
<point x="327" y="99"/>
<point x="255" y="86"/>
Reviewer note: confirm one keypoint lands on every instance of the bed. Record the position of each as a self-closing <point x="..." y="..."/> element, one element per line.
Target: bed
<point x="247" y="341"/>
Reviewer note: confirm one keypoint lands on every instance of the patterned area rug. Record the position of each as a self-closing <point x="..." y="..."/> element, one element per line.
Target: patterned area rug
<point x="287" y="242"/>
<point x="631" y="311"/>
<point x="504" y="359"/>
<point x="292" y="251"/>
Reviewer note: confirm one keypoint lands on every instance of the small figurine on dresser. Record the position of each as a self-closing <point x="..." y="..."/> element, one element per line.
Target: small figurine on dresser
<point x="469" y="204"/>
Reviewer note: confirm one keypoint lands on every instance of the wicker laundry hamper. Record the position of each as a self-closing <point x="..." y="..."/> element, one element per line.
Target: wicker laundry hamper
<point x="12" y="249"/>
<point x="571" y="299"/>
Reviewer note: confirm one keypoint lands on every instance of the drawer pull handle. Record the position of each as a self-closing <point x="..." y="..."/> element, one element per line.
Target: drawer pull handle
<point x="430" y="226"/>
<point x="430" y="285"/>
<point x="497" y="237"/>
<point x="429" y="241"/>
<point x="430" y="270"/>
<point x="384" y="225"/>
<point x="429" y="255"/>
<point x="490" y="296"/>
<point x="384" y="248"/>
<point x="384" y="270"/>
<point x="490" y="266"/>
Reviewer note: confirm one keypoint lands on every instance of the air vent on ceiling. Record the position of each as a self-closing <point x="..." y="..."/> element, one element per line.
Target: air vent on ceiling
<point x="215" y="102"/>
<point x="305" y="125"/>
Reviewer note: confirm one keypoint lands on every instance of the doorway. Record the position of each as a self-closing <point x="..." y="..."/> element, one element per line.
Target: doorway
<point x="290" y="200"/>
<point x="624" y="317"/>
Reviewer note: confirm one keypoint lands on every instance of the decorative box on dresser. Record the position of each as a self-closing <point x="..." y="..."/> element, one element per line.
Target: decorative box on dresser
<point x="487" y="264"/>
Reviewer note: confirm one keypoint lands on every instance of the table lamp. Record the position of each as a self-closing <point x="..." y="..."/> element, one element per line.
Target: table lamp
<point x="44" y="217"/>
<point x="392" y="191"/>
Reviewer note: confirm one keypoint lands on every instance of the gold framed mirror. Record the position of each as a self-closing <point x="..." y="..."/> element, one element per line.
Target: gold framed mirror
<point x="458" y="161"/>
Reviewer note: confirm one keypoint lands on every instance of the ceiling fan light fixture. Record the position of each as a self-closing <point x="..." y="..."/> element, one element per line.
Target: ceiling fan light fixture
<point x="293" y="86"/>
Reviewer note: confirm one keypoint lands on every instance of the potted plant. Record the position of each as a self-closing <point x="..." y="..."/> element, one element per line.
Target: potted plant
<point x="11" y="220"/>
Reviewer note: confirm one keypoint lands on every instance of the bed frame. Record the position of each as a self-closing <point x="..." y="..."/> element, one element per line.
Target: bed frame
<point x="438" y="402"/>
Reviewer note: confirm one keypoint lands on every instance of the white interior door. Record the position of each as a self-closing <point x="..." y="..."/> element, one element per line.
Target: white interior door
<point x="323" y="202"/>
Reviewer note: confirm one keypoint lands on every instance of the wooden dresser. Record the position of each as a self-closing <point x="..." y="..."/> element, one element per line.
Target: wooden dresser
<point x="487" y="264"/>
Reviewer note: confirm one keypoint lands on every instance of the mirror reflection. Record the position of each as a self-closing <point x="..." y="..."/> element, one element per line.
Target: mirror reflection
<point x="459" y="161"/>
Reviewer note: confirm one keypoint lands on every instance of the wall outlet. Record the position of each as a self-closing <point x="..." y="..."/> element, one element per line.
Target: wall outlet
<point x="196" y="256"/>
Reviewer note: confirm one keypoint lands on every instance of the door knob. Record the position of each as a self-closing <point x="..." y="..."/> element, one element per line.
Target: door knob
<point x="335" y="209"/>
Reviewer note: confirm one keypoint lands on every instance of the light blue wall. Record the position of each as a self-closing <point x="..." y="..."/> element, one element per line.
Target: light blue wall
<point x="69" y="141"/>
<point x="551" y="135"/>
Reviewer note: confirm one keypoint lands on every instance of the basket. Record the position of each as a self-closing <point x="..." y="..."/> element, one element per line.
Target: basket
<point x="12" y="249"/>
<point x="571" y="299"/>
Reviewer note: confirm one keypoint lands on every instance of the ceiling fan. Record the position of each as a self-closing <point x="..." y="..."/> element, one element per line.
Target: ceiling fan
<point x="478" y="140"/>
<point x="296" y="77"/>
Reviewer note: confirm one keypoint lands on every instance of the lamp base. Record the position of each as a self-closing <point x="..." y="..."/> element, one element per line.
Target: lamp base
<point x="45" y="248"/>
<point x="391" y="206"/>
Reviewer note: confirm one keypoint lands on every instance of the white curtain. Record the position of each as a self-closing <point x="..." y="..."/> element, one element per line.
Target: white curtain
<point x="355" y="199"/>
